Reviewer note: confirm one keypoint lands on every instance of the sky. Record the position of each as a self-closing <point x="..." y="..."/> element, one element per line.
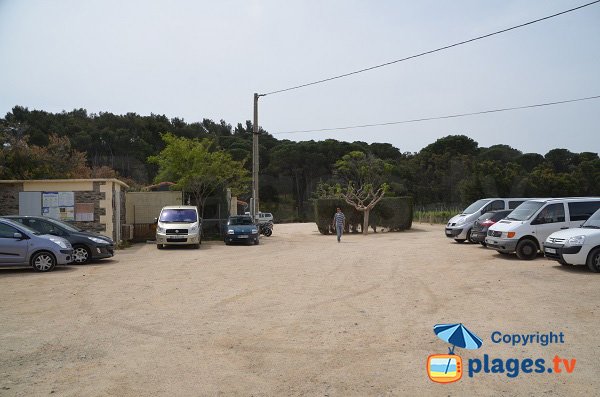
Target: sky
<point x="205" y="59"/>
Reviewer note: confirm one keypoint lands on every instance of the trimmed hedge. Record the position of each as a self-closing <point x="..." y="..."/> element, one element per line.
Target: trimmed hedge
<point x="392" y="213"/>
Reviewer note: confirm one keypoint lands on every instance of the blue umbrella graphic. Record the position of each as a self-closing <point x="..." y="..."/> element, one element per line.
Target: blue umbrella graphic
<point x="457" y="335"/>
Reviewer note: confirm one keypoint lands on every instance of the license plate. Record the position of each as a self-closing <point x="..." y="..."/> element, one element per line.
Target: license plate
<point x="243" y="236"/>
<point x="493" y="242"/>
<point x="550" y="250"/>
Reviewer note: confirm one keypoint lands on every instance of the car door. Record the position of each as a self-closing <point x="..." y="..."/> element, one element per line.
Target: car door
<point x="12" y="250"/>
<point x="549" y="219"/>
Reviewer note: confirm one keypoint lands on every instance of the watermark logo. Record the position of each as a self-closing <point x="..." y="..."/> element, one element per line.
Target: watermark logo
<point x="448" y="368"/>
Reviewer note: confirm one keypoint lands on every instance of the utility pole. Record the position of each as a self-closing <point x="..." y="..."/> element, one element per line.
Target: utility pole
<point x="255" y="207"/>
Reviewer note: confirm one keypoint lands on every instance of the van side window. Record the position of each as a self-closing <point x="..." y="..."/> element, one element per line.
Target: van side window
<point x="494" y="206"/>
<point x="514" y="204"/>
<point x="583" y="210"/>
<point x="552" y="213"/>
<point x="497" y="205"/>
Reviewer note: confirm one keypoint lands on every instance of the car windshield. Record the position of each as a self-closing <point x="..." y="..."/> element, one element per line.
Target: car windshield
<point x="593" y="221"/>
<point x="64" y="225"/>
<point x="240" y="220"/>
<point x="178" y="215"/>
<point x="524" y="211"/>
<point x="476" y="206"/>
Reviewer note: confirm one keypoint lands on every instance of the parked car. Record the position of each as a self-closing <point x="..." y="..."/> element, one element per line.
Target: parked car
<point x="525" y="230"/>
<point x="460" y="226"/>
<point x="22" y="246"/>
<point x="264" y="217"/>
<point x="178" y="225"/>
<point x="578" y="246"/>
<point x="482" y="224"/>
<point x="87" y="246"/>
<point x="241" y="229"/>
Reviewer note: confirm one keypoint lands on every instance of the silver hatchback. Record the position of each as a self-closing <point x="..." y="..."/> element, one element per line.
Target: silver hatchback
<point x="22" y="246"/>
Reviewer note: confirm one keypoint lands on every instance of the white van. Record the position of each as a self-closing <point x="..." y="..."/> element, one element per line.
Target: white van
<point x="526" y="228"/>
<point x="178" y="225"/>
<point x="459" y="226"/>
<point x="579" y="246"/>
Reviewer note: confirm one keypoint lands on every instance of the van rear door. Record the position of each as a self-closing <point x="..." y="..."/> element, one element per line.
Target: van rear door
<point x="551" y="218"/>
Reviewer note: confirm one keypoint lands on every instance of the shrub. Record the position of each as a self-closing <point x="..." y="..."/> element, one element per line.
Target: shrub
<point x="393" y="213"/>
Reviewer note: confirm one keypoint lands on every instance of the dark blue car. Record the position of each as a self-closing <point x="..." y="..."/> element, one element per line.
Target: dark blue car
<point x="241" y="229"/>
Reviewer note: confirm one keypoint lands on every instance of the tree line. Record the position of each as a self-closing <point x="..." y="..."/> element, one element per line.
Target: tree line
<point x="453" y="170"/>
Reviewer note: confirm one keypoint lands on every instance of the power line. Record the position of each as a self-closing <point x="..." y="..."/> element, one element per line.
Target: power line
<point x="443" y="117"/>
<point x="429" y="52"/>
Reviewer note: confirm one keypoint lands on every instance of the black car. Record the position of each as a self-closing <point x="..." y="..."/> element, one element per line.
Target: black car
<point x="87" y="246"/>
<point x="483" y="223"/>
<point x="241" y="229"/>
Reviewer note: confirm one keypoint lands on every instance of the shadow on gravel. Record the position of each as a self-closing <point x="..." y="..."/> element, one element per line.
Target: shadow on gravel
<point x="26" y="271"/>
<point x="579" y="269"/>
<point x="514" y="257"/>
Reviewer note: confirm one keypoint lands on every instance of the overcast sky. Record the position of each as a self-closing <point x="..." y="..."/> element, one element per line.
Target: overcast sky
<point x="205" y="59"/>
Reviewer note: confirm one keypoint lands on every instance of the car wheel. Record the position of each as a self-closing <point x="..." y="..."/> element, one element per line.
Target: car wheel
<point x="459" y="240"/>
<point x="526" y="250"/>
<point x="81" y="254"/>
<point x="593" y="260"/>
<point x="482" y="243"/>
<point x="469" y="237"/>
<point x="43" y="261"/>
<point x="159" y="246"/>
<point x="227" y="243"/>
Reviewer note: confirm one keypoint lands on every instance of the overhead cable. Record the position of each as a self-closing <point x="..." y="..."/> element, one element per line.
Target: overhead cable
<point x="441" y="117"/>
<point x="429" y="52"/>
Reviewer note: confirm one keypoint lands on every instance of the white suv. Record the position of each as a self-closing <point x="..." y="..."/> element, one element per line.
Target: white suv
<point x="578" y="246"/>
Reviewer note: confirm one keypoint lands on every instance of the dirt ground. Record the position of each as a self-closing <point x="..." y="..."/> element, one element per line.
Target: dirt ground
<point x="298" y="314"/>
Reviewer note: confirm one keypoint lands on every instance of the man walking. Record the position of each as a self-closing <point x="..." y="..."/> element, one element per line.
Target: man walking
<point x="339" y="221"/>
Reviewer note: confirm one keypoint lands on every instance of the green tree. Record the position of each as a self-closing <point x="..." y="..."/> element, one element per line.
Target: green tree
<point x="364" y="179"/>
<point x="196" y="167"/>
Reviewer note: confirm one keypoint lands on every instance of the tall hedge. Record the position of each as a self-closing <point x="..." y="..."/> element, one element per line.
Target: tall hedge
<point x="392" y="213"/>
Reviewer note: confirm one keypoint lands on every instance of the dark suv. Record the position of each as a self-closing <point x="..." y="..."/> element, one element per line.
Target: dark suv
<point x="87" y="246"/>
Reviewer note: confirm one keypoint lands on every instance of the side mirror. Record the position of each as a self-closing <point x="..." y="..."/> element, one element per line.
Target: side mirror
<point x="155" y="220"/>
<point x="18" y="236"/>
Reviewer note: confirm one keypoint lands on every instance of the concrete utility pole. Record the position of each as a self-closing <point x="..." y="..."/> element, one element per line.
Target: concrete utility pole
<point x="255" y="207"/>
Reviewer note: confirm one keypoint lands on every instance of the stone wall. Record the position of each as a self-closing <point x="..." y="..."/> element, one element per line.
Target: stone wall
<point x="9" y="198"/>
<point x="92" y="197"/>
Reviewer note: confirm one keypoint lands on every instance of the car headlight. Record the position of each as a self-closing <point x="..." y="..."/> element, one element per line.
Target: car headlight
<point x="194" y="229"/>
<point x="60" y="243"/>
<point x="98" y="240"/>
<point x="254" y="231"/>
<point x="160" y="229"/>
<point x="576" y="240"/>
<point x="230" y="231"/>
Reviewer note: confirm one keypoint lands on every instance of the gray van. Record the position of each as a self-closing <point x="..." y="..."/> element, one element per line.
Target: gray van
<point x="459" y="226"/>
<point x="22" y="246"/>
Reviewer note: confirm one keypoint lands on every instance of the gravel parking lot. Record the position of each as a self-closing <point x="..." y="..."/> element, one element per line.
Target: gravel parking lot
<point x="298" y="314"/>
